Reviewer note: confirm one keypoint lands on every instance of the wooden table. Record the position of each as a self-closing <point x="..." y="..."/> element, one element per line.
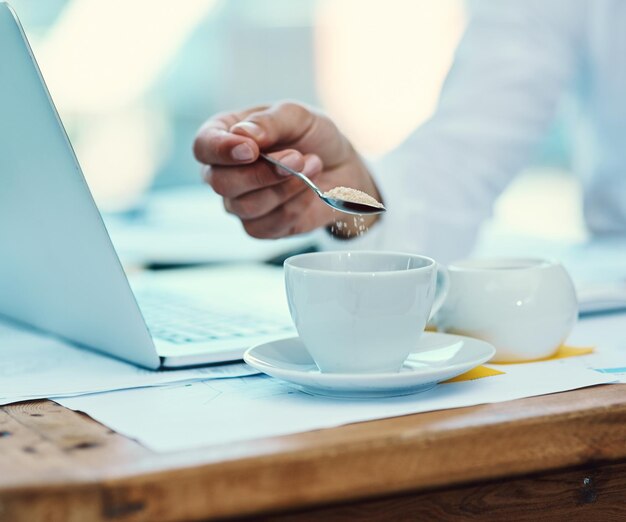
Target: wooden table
<point x="558" y="457"/>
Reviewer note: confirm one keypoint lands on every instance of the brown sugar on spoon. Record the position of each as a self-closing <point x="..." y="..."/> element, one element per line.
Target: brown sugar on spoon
<point x="353" y="196"/>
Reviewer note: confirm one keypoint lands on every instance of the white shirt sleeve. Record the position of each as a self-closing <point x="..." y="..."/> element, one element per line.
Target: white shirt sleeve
<point x="501" y="93"/>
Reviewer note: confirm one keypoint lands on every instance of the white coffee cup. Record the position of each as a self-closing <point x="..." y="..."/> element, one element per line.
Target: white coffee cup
<point x="361" y="312"/>
<point x="524" y="307"/>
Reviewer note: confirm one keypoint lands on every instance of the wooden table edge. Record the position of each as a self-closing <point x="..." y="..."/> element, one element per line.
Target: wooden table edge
<point x="411" y="453"/>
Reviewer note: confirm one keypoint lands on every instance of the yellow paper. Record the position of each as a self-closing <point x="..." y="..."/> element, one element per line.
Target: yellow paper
<point x="477" y="373"/>
<point x="481" y="372"/>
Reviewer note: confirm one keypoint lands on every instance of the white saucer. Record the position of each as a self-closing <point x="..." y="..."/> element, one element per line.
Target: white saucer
<point x="436" y="358"/>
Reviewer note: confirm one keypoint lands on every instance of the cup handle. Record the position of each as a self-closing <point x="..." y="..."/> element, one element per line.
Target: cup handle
<point x="441" y="291"/>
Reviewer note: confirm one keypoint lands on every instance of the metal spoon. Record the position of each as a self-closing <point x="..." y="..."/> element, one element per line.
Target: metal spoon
<point x="342" y="205"/>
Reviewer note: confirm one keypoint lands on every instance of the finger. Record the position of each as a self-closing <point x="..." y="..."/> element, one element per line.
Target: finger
<point x="215" y="145"/>
<point x="260" y="202"/>
<point x="308" y="164"/>
<point x="303" y="213"/>
<point x="232" y="182"/>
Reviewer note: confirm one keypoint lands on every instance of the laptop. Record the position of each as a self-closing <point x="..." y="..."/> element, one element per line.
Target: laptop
<point x="59" y="271"/>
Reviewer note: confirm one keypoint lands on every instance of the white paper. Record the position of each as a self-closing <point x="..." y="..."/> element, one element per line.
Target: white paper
<point x="607" y="334"/>
<point x="189" y="225"/>
<point x="35" y="366"/>
<point x="217" y="412"/>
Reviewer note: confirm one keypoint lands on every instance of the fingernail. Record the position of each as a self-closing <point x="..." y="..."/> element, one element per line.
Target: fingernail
<point x="250" y="128"/>
<point x="242" y="152"/>
<point x="312" y="165"/>
<point x="291" y="160"/>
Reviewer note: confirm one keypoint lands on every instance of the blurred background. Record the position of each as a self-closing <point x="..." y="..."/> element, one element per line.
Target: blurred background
<point x="134" y="80"/>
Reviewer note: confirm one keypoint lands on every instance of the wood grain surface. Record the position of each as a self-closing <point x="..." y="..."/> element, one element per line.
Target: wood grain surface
<point x="590" y="494"/>
<point x="58" y="465"/>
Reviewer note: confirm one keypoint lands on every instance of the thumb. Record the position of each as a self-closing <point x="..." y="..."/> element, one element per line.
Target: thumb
<point x="295" y="126"/>
<point x="279" y="124"/>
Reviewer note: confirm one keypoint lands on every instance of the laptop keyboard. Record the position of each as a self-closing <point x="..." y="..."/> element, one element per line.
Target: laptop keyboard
<point x="180" y="320"/>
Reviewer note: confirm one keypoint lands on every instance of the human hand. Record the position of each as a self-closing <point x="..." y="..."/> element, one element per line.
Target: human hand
<point x="269" y="202"/>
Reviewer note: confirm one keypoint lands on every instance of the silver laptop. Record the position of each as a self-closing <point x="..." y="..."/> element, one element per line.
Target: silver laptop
<point x="59" y="271"/>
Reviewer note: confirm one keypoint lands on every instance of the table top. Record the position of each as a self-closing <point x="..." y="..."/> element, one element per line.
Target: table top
<point x="54" y="458"/>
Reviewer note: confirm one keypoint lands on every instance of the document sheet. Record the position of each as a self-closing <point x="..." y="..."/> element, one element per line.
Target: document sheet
<point x="607" y="333"/>
<point x="219" y="412"/>
<point x="36" y="366"/>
